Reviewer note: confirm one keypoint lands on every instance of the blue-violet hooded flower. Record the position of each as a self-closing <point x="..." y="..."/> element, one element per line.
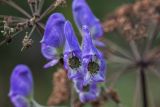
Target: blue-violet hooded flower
<point x="53" y="34"/>
<point x="72" y="52"/>
<point x="84" y="16"/>
<point x="54" y="39"/>
<point x="89" y="92"/>
<point x="93" y="62"/>
<point x="51" y="54"/>
<point x="20" y="101"/>
<point x="21" y="82"/>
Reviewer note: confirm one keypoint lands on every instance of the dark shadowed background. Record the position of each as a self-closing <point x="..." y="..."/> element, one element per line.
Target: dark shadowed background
<point x="11" y="55"/>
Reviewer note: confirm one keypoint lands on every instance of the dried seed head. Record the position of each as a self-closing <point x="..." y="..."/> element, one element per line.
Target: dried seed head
<point x="97" y="103"/>
<point x="77" y="103"/>
<point x="32" y="1"/>
<point x="27" y="42"/>
<point x="8" y="20"/>
<point x="133" y="20"/>
<point x="60" y="90"/>
<point x="113" y="95"/>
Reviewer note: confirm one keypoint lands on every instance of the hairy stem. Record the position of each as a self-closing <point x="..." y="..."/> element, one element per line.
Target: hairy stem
<point x="143" y="87"/>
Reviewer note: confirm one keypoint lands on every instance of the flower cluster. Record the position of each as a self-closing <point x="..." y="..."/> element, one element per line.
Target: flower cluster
<point x="85" y="64"/>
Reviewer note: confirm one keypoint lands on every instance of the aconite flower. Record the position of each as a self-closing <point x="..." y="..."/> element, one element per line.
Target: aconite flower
<point x="89" y="92"/>
<point x="84" y="16"/>
<point x="86" y="91"/>
<point x="21" y="81"/>
<point x="93" y="62"/>
<point x="51" y="54"/>
<point x="21" y="86"/>
<point x="53" y="34"/>
<point x="72" y="52"/>
<point x="53" y="40"/>
<point x="20" y="101"/>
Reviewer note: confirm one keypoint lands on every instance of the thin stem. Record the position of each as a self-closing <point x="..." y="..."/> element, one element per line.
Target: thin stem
<point x="14" y="17"/>
<point x="31" y="7"/>
<point x="137" y="97"/>
<point x="150" y="94"/>
<point x="155" y="71"/>
<point x="50" y="9"/>
<point x="40" y="6"/>
<point x="4" y="41"/>
<point x="14" y="5"/>
<point x="151" y="36"/>
<point x="143" y="87"/>
<point x="134" y="49"/>
<point x="36" y="6"/>
<point x="116" y="76"/>
<point x="41" y="25"/>
<point x="33" y="28"/>
<point x="114" y="47"/>
<point x="118" y="59"/>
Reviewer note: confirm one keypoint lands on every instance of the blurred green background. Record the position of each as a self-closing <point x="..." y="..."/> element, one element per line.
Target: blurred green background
<point x="11" y="55"/>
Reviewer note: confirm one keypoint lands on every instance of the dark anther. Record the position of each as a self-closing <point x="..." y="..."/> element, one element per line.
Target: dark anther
<point x="74" y="62"/>
<point x="93" y="67"/>
<point x="86" y="88"/>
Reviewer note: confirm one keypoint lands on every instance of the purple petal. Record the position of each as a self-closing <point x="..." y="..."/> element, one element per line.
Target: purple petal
<point x="52" y="63"/>
<point x="48" y="51"/>
<point x="53" y="34"/>
<point x="84" y="16"/>
<point x="90" y="95"/>
<point x="98" y="43"/>
<point x="78" y="83"/>
<point x="86" y="97"/>
<point x="90" y="54"/>
<point x="19" y="101"/>
<point x="87" y="45"/>
<point x="72" y="52"/>
<point x="71" y="39"/>
<point x="21" y="81"/>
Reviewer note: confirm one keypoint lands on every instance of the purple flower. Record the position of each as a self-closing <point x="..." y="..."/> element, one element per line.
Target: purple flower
<point x="87" y="91"/>
<point x="54" y="39"/>
<point x="21" y="82"/>
<point x="84" y="16"/>
<point x="93" y="62"/>
<point x="51" y="54"/>
<point x="53" y="34"/>
<point x="78" y="83"/>
<point x="20" y="101"/>
<point x="72" y="52"/>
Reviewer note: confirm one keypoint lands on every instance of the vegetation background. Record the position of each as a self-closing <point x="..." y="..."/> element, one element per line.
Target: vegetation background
<point x="11" y="55"/>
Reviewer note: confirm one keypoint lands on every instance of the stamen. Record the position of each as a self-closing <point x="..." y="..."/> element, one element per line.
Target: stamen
<point x="93" y="67"/>
<point x="74" y="62"/>
<point x="86" y="88"/>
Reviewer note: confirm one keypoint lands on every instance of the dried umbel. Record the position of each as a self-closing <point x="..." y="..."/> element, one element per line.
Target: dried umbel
<point x="136" y="27"/>
<point x="61" y="89"/>
<point x="13" y="25"/>
<point x="134" y="20"/>
<point x="27" y="42"/>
